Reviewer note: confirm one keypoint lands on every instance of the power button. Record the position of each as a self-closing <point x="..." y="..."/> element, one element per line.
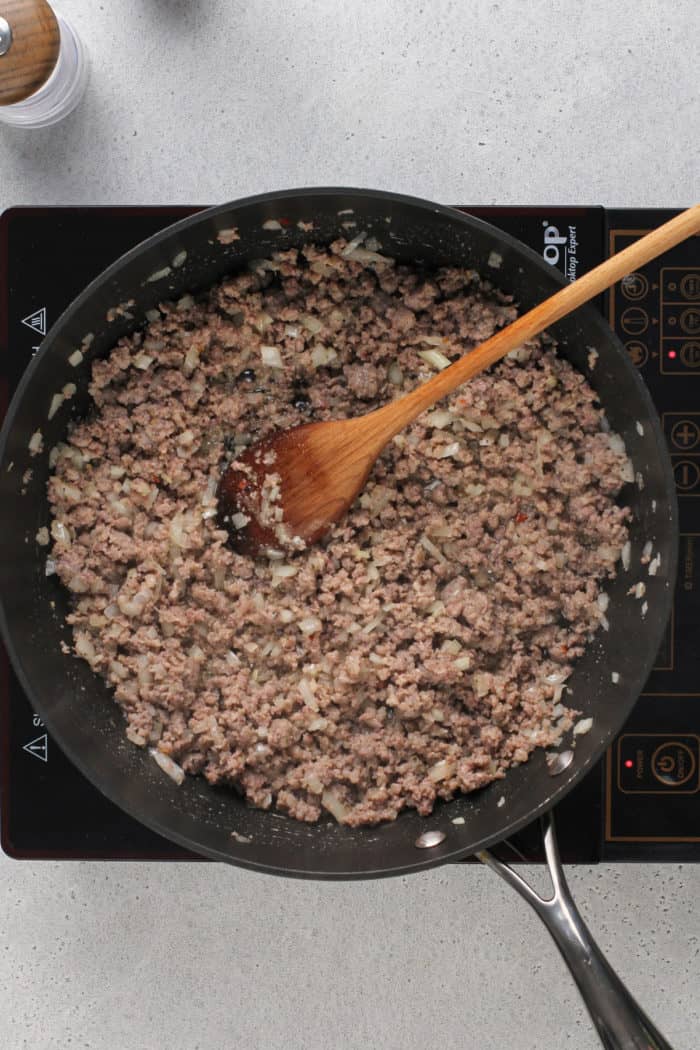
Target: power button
<point x="673" y="764"/>
<point x="658" y="763"/>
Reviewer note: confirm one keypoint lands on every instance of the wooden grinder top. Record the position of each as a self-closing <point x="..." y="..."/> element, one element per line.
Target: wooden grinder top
<point x="29" y="47"/>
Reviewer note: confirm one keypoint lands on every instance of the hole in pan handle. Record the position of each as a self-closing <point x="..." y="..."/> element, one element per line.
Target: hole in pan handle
<point x="621" y="1023"/>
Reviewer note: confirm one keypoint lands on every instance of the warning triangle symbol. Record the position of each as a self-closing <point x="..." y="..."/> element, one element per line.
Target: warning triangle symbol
<point x="36" y="321"/>
<point x="39" y="747"/>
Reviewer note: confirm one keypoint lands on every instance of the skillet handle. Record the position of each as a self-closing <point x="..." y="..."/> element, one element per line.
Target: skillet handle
<point x="621" y="1023"/>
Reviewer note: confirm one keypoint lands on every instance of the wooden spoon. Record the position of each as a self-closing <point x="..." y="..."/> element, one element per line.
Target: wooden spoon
<point x="287" y="490"/>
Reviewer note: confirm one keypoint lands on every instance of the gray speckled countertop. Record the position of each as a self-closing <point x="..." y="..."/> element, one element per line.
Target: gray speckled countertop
<point x="485" y="102"/>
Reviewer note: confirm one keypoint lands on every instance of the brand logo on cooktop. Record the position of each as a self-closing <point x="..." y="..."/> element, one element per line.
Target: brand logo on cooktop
<point x="559" y="248"/>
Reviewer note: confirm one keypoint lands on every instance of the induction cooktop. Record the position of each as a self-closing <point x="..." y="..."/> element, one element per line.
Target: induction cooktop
<point x="642" y="802"/>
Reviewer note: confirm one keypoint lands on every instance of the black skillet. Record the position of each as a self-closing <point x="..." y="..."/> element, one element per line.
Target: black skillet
<point x="77" y="706"/>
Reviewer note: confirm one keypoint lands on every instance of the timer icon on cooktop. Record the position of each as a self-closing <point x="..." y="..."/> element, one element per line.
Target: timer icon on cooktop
<point x="634" y="286"/>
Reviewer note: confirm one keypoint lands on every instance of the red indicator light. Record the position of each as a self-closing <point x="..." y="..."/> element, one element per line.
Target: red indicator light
<point x="629" y="763"/>
<point x="672" y="354"/>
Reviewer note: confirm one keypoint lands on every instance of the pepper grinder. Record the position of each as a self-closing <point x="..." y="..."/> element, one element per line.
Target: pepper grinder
<point x="43" y="65"/>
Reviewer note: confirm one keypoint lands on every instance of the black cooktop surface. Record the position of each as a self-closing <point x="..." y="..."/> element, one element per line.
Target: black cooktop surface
<point x="643" y="800"/>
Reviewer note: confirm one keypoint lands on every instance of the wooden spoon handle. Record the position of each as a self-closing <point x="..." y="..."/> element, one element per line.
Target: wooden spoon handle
<point x="33" y="49"/>
<point x="393" y="417"/>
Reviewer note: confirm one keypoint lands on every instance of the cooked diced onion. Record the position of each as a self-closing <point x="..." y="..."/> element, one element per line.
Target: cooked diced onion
<point x="84" y="647"/>
<point x="311" y="324"/>
<point x="435" y="359"/>
<point x="427" y="543"/>
<point x="372" y="625"/>
<point x="60" y="532"/>
<point x="364" y="255"/>
<point x="307" y="693"/>
<point x="158" y="275"/>
<point x="56" y="402"/>
<point x="322" y="355"/>
<point x="521" y="353"/>
<point x="191" y="360"/>
<point x="134" y="607"/>
<point x="271" y="357"/>
<point x="439" y="419"/>
<point x="583" y="726"/>
<point x="627" y="472"/>
<point x="353" y="244"/>
<point x="174" y="771"/>
<point x="472" y="425"/>
<point x="284" y="572"/>
<point x="395" y="374"/>
<point x="481" y="683"/>
<point x="36" y="443"/>
<point x="331" y="802"/>
<point x="310" y="625"/>
<point x="441" y="770"/>
<point x="463" y="663"/>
